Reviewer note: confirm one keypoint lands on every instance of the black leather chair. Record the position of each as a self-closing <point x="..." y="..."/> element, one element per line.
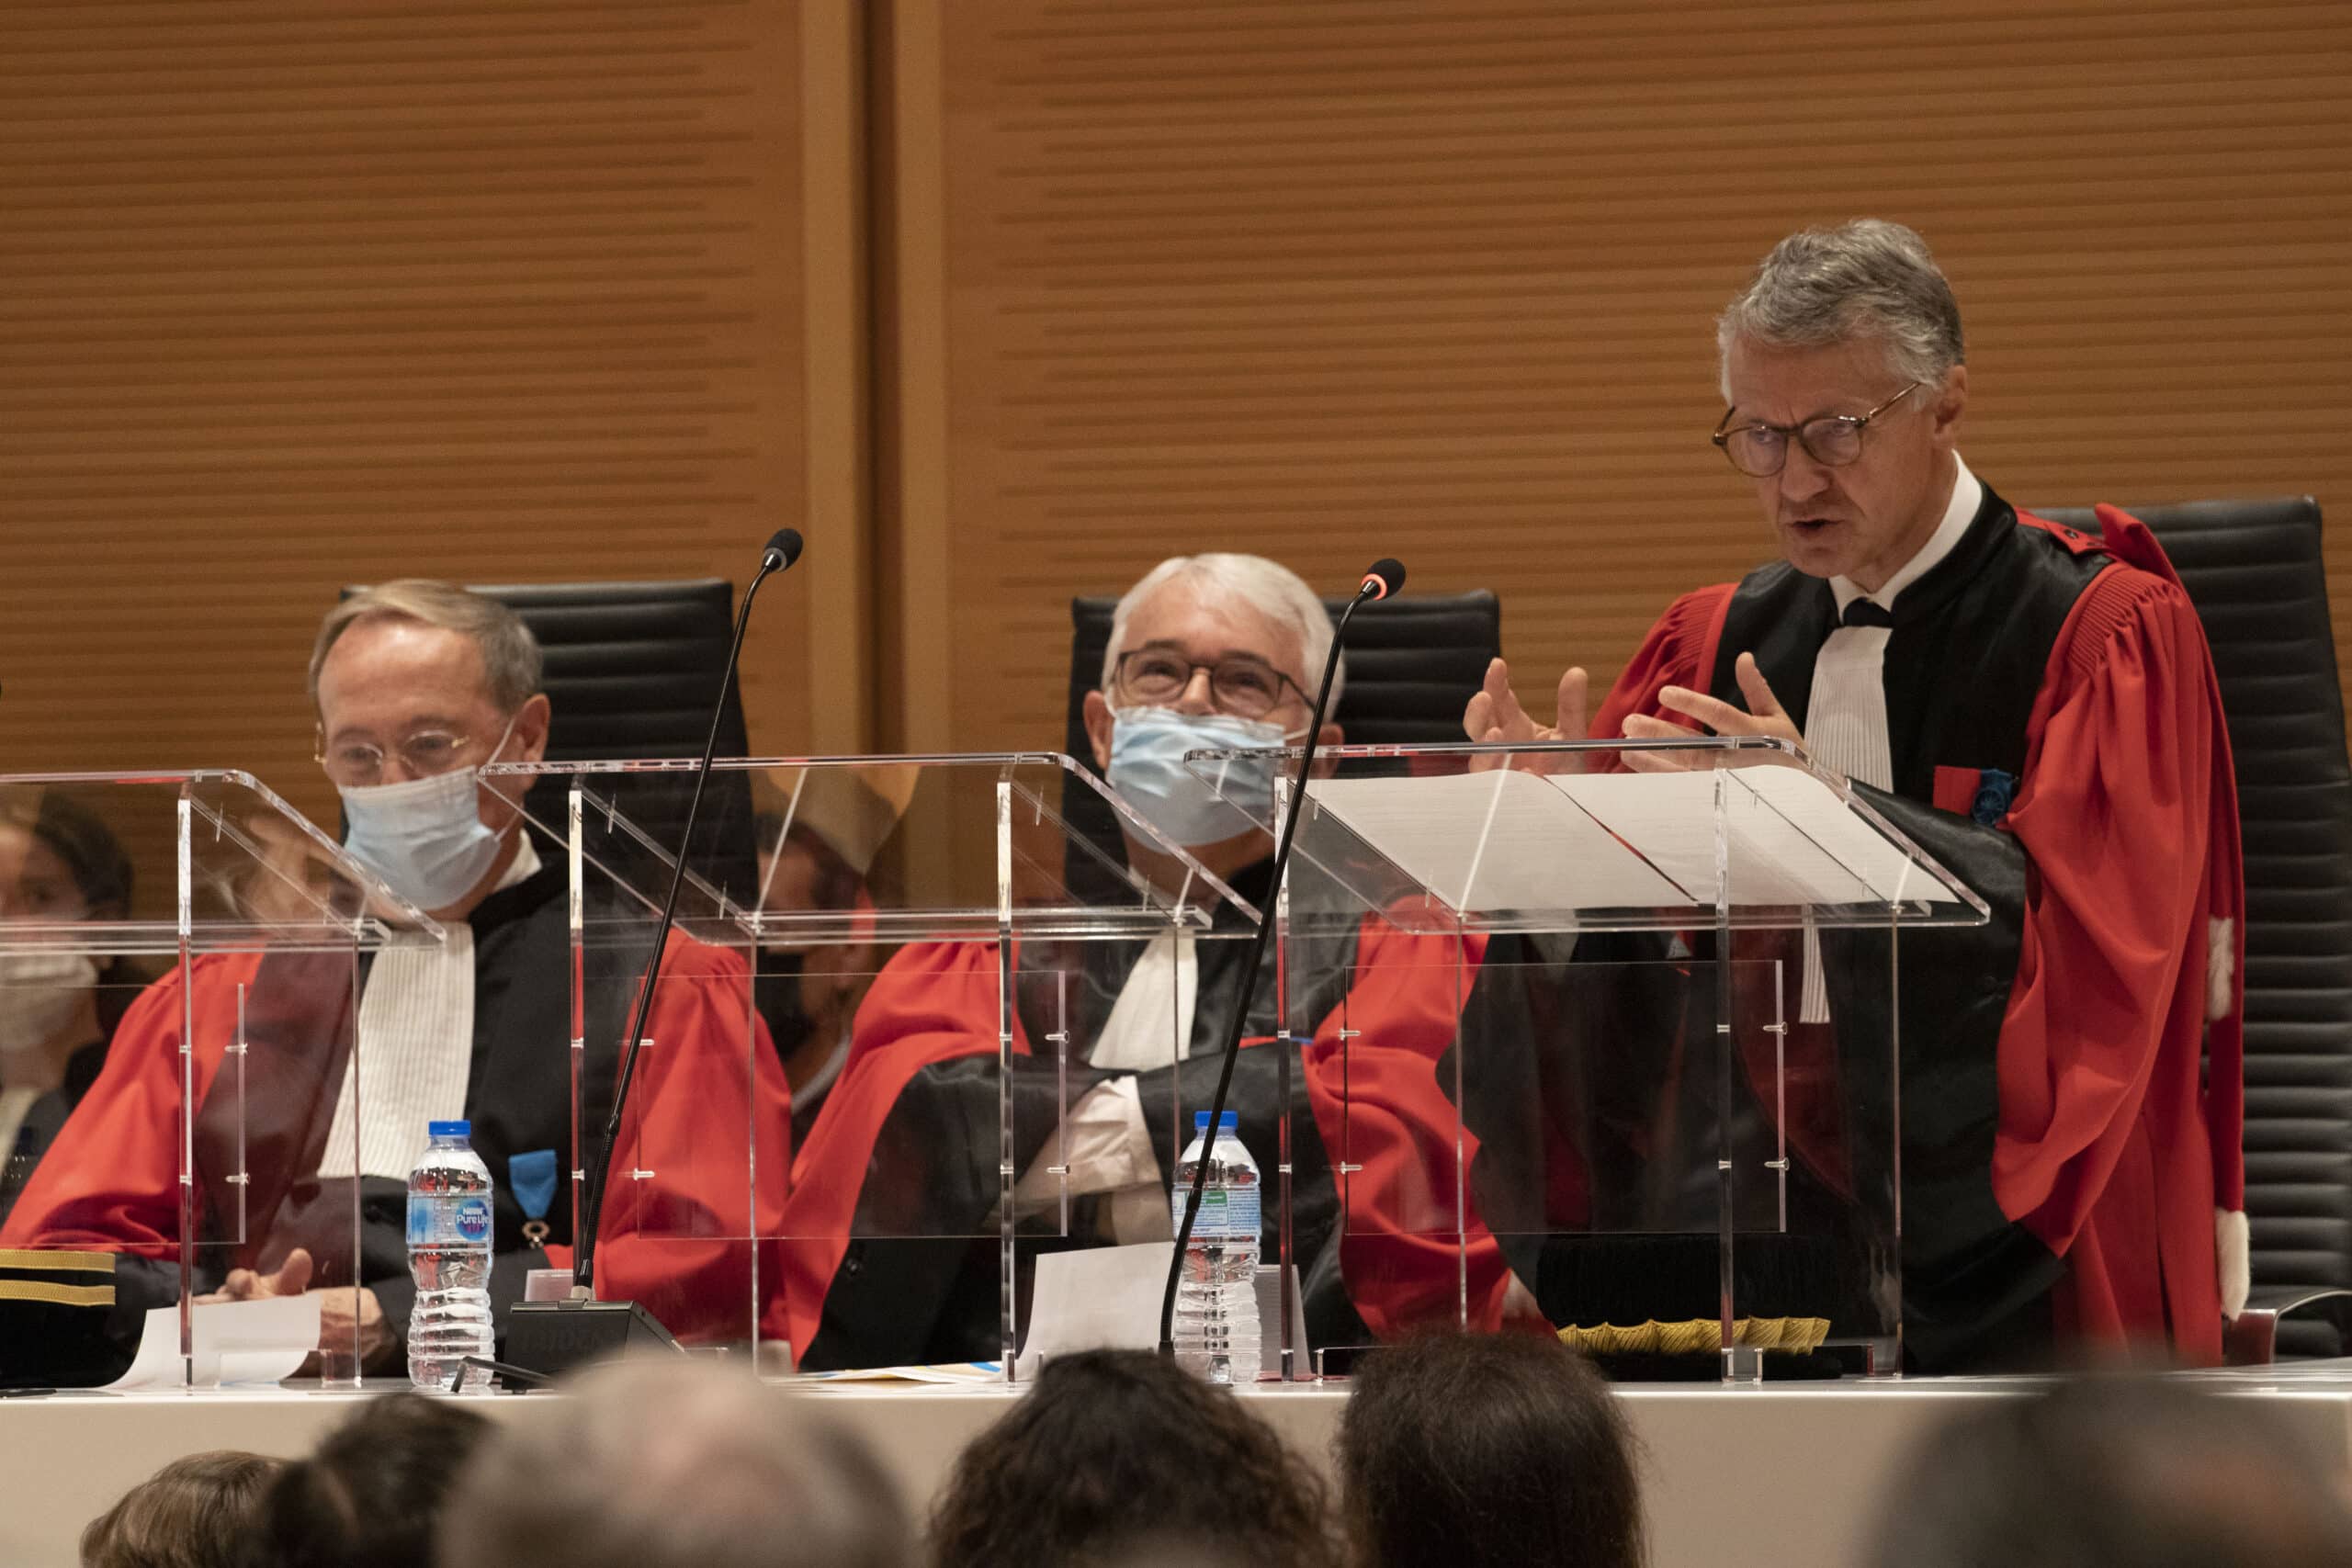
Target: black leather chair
<point x="630" y="671"/>
<point x="1412" y="664"/>
<point x="2254" y="572"/>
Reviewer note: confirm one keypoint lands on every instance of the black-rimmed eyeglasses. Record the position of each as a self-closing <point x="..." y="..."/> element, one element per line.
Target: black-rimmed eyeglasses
<point x="1246" y="688"/>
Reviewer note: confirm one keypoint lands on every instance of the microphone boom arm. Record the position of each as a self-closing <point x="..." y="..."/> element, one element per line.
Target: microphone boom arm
<point x="600" y="1168"/>
<point x="1374" y="586"/>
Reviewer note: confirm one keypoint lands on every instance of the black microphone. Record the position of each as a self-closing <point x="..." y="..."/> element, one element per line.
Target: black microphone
<point x="1387" y="576"/>
<point x="536" y="1339"/>
<point x="783" y="549"/>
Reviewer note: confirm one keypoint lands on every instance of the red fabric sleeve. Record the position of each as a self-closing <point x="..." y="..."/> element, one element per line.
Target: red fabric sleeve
<point x="709" y="1119"/>
<point x="111" y="1182"/>
<point x="1678" y="651"/>
<point x="2103" y="1025"/>
<point x="1379" y="1105"/>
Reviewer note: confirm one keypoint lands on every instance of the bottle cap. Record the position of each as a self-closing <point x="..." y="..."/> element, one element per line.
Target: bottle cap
<point x="449" y="1129"/>
<point x="1229" y="1122"/>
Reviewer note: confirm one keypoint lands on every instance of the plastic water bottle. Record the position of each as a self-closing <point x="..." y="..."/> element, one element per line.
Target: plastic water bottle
<point x="448" y="1257"/>
<point x="1216" y="1297"/>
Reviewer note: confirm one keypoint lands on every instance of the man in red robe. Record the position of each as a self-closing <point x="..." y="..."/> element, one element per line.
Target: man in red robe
<point x="892" y="1214"/>
<point x="416" y="686"/>
<point x="2036" y="708"/>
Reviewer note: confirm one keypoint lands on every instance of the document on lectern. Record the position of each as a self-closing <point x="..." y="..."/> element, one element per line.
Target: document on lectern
<point x="1512" y="839"/>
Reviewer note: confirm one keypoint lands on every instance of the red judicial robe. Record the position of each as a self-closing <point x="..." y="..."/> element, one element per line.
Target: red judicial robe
<point x="672" y="1242"/>
<point x="2058" y="742"/>
<point x="875" y="1165"/>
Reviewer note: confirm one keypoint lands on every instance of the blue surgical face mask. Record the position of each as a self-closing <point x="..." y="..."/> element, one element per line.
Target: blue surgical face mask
<point x="1148" y="747"/>
<point x="425" y="837"/>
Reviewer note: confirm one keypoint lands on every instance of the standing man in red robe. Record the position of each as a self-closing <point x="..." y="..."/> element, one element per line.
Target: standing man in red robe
<point x="417" y="685"/>
<point x="2036" y="710"/>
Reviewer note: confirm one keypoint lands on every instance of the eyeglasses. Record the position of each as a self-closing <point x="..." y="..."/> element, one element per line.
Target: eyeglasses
<point x="1834" y="440"/>
<point x="358" y="763"/>
<point x="1246" y="688"/>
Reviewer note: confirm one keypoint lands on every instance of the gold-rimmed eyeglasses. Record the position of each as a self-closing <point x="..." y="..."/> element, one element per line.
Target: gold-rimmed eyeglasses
<point x="359" y="763"/>
<point x="1832" y="440"/>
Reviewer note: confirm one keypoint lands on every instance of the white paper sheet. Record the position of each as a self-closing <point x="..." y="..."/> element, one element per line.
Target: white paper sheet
<point x="1107" y="1298"/>
<point x="1504" y="840"/>
<point x="1507" y="840"/>
<point x="1097" y="1298"/>
<point x="236" y="1342"/>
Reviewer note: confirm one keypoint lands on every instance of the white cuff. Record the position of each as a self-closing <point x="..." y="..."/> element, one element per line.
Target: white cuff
<point x="2233" y="1253"/>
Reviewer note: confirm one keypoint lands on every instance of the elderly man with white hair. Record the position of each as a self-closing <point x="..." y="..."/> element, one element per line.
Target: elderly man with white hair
<point x="897" y="1180"/>
<point x="2034" y="707"/>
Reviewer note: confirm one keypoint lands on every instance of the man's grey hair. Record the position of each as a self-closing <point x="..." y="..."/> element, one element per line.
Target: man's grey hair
<point x="669" y="1462"/>
<point x="511" y="662"/>
<point x="1868" y="279"/>
<point x="1268" y="587"/>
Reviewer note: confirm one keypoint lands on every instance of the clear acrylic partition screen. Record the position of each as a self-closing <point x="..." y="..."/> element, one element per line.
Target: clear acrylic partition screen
<point x="1604" y="1034"/>
<point x="862" y="1108"/>
<point x="192" y="936"/>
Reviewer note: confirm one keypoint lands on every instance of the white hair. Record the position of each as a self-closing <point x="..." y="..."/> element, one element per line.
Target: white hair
<point x="1268" y="587"/>
<point x="1868" y="279"/>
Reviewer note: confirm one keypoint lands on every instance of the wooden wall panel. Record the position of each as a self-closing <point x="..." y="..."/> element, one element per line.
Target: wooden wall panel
<point x="1334" y="278"/>
<point x="294" y="295"/>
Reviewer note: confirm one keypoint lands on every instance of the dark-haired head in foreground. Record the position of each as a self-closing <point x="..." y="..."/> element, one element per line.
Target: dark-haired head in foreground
<point x="371" y="1496"/>
<point x="193" y="1512"/>
<point x="667" y="1462"/>
<point x="1487" y="1448"/>
<point x="1113" y="1450"/>
<point x="2117" y="1473"/>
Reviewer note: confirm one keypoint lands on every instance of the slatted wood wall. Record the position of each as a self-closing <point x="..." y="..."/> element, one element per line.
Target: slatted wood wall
<point x="1334" y="278"/>
<point x="294" y="295"/>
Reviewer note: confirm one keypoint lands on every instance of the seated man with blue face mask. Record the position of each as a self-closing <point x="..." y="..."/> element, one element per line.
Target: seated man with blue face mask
<point x="1210" y="652"/>
<point x="417" y="685"/>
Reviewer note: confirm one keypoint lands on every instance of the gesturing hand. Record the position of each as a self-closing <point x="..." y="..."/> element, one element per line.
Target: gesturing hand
<point x="1495" y="716"/>
<point x="1764" y="716"/>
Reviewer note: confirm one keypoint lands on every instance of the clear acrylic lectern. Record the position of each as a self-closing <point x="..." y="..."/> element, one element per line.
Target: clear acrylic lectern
<point x="219" y="939"/>
<point x="1612" y="1039"/>
<point x="933" y="947"/>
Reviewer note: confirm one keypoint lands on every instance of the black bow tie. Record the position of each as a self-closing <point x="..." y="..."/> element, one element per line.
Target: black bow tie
<point x="1863" y="612"/>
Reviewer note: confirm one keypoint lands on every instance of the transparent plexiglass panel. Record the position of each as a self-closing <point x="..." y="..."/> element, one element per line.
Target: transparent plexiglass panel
<point x="181" y="1099"/>
<point x="1606" y="1035"/>
<point x="1583" y="835"/>
<point x="921" y="1021"/>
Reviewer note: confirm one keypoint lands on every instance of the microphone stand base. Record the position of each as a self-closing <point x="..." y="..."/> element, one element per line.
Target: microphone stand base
<point x="552" y="1337"/>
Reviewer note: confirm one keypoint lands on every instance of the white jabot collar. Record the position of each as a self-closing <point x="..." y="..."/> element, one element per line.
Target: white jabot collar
<point x="1967" y="495"/>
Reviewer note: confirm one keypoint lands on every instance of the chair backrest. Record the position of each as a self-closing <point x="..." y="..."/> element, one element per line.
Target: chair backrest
<point x="1412" y="664"/>
<point x="2253" y="570"/>
<point x="630" y="671"/>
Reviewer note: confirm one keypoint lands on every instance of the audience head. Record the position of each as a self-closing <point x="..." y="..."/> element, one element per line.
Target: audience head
<point x="1208" y="651"/>
<point x="193" y="1512"/>
<point x="2117" y="1473"/>
<point x="1487" y="1448"/>
<point x="372" y="1495"/>
<point x="669" y="1462"/>
<point x="415" y="681"/>
<point x="1121" y="1453"/>
<point x="1844" y="372"/>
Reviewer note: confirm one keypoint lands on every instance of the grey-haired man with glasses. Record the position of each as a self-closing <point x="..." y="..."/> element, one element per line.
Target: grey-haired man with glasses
<point x="2034" y="707"/>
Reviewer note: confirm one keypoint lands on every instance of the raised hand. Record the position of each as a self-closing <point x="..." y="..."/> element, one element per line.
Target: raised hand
<point x="1495" y="716"/>
<point x="1763" y="715"/>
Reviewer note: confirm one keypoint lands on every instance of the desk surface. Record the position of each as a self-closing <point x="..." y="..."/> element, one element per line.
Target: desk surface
<point x="1784" y="1474"/>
